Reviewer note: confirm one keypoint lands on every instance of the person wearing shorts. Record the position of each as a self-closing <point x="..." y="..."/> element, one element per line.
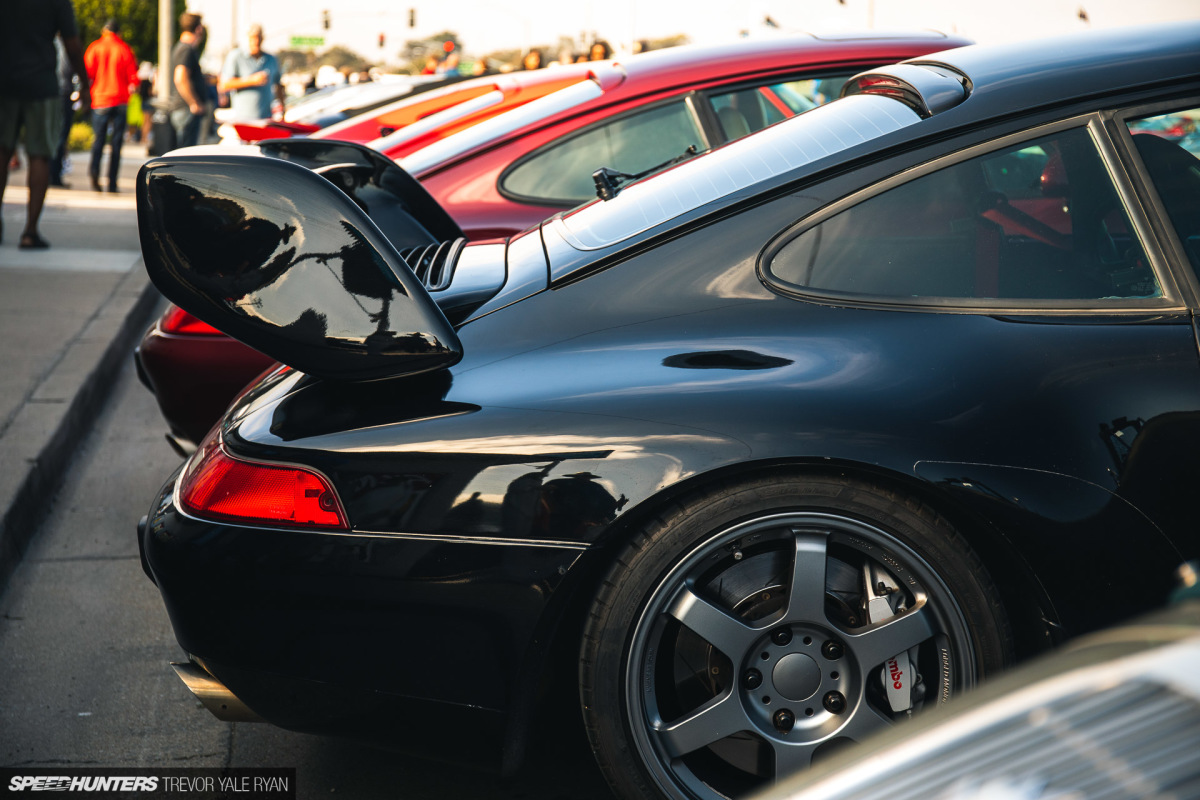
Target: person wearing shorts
<point x="30" y="107"/>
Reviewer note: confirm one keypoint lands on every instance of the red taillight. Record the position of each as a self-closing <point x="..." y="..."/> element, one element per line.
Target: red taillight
<point x="178" y="321"/>
<point x="218" y="486"/>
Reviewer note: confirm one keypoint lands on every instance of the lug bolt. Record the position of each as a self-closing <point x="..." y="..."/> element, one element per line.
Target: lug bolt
<point x="832" y="650"/>
<point x="781" y="636"/>
<point x="752" y="679"/>
<point x="784" y="720"/>
<point x="834" y="702"/>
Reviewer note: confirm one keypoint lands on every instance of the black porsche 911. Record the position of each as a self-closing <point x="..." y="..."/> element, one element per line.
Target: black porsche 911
<point x="759" y="455"/>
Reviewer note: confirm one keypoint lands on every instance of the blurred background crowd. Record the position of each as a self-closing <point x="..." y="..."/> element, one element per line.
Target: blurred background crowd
<point x="305" y="64"/>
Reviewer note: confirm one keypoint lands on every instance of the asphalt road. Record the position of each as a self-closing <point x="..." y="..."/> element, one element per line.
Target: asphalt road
<point x="85" y="644"/>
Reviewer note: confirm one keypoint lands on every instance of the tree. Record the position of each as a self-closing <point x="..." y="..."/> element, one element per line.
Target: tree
<point x="296" y="60"/>
<point x="416" y="50"/>
<point x="667" y="41"/>
<point x="310" y="61"/>
<point x="138" y="18"/>
<point x="338" y="56"/>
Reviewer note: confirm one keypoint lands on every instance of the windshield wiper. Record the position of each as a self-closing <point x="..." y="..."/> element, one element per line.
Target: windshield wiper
<point x="610" y="181"/>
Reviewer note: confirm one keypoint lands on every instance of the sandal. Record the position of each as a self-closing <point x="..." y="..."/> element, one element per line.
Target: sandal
<point x="31" y="241"/>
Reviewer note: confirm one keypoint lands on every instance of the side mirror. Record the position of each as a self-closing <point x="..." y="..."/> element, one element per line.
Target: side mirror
<point x="282" y="260"/>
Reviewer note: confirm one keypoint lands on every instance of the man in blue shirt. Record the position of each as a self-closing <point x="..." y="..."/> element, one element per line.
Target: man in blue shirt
<point x="253" y="78"/>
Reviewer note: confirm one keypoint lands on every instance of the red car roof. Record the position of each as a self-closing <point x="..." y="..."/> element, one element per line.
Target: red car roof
<point x="682" y="67"/>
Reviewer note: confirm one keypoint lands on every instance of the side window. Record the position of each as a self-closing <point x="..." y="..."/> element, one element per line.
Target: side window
<point x="1169" y="145"/>
<point x="749" y="109"/>
<point x="1038" y="221"/>
<point x="631" y="144"/>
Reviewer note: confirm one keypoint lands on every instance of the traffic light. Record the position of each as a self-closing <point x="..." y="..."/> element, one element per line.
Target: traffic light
<point x="382" y="38"/>
<point x="412" y="18"/>
<point x="448" y="46"/>
<point x="325" y="20"/>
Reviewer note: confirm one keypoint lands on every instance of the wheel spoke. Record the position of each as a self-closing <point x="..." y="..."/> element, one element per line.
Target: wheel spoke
<point x="715" y="625"/>
<point x="720" y="717"/>
<point x="897" y="634"/>
<point x="866" y="721"/>
<point x="791" y="757"/>
<point x="806" y="597"/>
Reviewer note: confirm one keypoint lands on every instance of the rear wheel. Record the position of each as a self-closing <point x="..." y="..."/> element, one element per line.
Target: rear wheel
<point x="760" y="627"/>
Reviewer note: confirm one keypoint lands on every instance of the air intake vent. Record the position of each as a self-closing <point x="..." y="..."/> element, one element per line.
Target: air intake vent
<point x="434" y="264"/>
<point x="927" y="89"/>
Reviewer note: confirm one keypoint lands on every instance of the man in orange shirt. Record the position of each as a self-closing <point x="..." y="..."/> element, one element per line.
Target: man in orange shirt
<point x="113" y="72"/>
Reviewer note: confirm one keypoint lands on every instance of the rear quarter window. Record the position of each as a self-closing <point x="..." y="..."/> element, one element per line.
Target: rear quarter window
<point x="634" y="143"/>
<point x="1039" y="221"/>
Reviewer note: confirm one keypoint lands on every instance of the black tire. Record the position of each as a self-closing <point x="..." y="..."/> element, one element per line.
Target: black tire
<point x="708" y="670"/>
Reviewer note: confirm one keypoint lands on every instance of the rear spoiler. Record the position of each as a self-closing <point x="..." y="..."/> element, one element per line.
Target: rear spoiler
<point x="338" y="160"/>
<point x="283" y="260"/>
<point x="272" y="129"/>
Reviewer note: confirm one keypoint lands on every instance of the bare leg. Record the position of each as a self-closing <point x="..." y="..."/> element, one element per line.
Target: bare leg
<point x="5" y="158"/>
<point x="39" y="180"/>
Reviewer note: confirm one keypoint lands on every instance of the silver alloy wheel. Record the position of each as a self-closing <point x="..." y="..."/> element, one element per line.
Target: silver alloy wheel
<point x="789" y="666"/>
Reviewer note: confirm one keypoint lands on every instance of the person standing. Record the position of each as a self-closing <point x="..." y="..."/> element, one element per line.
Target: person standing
<point x="253" y="78"/>
<point x="66" y="90"/>
<point x="112" y="70"/>
<point x="532" y="59"/>
<point x="29" y="94"/>
<point x="187" y="91"/>
<point x="146" y="93"/>
<point x="449" y="67"/>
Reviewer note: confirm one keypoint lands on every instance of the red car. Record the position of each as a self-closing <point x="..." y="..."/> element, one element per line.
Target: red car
<point x="509" y="171"/>
<point x="470" y="101"/>
<point x="326" y="107"/>
<point x="515" y="170"/>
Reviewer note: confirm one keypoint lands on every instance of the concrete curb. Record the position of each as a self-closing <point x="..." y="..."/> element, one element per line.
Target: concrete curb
<point x="61" y="410"/>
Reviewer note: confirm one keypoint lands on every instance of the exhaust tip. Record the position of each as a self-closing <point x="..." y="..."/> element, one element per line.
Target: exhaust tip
<point x="213" y="694"/>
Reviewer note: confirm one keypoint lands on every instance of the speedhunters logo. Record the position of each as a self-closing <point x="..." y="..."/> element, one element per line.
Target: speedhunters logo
<point x="150" y="783"/>
<point x="60" y="783"/>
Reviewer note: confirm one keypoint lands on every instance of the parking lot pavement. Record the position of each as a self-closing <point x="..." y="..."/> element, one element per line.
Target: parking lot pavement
<point x="85" y="647"/>
<point x="69" y="317"/>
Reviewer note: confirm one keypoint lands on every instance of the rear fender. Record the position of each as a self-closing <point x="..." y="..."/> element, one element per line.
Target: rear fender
<point x="1083" y="540"/>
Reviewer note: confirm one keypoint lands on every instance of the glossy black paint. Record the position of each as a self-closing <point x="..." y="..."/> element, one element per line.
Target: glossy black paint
<point x="229" y="237"/>
<point x="371" y="179"/>
<point x="390" y="614"/>
<point x="484" y="498"/>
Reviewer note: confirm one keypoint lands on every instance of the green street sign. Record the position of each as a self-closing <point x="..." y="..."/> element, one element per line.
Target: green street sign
<point x="308" y="41"/>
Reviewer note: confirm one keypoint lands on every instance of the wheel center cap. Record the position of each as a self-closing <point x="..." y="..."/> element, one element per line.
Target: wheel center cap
<point x="796" y="676"/>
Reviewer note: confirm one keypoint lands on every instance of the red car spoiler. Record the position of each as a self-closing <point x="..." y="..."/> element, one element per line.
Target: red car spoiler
<point x="272" y="129"/>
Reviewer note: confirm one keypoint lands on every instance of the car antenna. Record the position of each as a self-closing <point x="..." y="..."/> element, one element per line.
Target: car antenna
<point x="609" y="181"/>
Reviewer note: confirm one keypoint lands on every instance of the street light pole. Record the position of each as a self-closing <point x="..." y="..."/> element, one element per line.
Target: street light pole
<point x="166" y="38"/>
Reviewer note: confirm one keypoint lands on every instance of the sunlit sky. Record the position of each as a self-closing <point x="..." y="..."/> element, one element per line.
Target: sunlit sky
<point x="487" y="25"/>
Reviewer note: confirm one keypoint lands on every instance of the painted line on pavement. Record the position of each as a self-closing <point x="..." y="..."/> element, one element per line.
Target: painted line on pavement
<point x="69" y="259"/>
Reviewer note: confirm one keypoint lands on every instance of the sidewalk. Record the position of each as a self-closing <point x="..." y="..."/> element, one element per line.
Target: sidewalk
<point x="69" y="319"/>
